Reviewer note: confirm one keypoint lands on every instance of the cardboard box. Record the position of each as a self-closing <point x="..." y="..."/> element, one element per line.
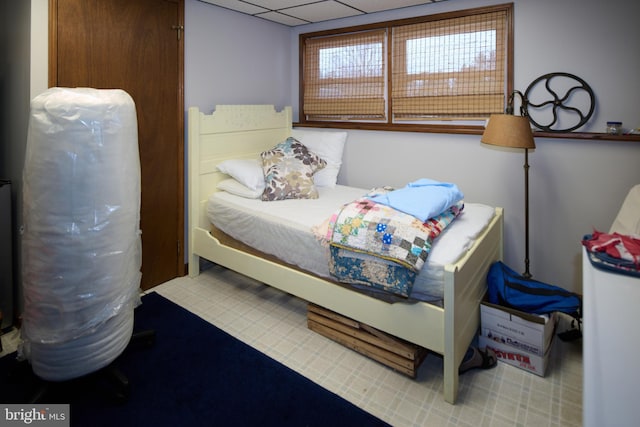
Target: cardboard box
<point x="523" y="331"/>
<point x="516" y="357"/>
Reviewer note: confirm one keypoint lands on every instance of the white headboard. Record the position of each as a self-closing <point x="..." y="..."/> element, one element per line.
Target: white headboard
<point x="230" y="132"/>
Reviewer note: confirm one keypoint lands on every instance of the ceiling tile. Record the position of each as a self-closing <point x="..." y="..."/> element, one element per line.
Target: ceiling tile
<point x="238" y="6"/>
<point x="299" y="12"/>
<point x="322" y="11"/>
<point x="280" y="4"/>
<point x="370" y="6"/>
<point x="282" y="19"/>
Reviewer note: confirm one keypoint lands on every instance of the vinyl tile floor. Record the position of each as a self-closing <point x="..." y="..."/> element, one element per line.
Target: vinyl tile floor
<point x="275" y="323"/>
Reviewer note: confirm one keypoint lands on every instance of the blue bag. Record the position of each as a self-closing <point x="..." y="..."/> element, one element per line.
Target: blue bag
<point x="510" y="289"/>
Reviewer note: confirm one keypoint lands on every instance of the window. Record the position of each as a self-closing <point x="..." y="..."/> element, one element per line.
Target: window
<point x="345" y="76"/>
<point x="443" y="72"/>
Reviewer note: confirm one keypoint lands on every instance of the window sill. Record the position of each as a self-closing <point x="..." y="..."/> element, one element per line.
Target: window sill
<point x="468" y="130"/>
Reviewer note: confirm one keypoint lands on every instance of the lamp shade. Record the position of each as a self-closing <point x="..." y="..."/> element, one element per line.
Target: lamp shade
<point x="506" y="130"/>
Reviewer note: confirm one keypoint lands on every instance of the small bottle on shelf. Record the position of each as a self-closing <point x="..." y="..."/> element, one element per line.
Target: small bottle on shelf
<point x="614" y="128"/>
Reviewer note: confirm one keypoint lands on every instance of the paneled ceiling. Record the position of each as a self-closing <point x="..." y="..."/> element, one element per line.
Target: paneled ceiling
<point x="300" y="12"/>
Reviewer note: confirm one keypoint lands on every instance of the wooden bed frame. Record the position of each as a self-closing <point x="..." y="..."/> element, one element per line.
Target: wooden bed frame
<point x="243" y="131"/>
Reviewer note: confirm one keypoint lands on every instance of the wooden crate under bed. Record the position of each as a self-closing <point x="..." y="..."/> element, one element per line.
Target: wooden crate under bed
<point x="391" y="351"/>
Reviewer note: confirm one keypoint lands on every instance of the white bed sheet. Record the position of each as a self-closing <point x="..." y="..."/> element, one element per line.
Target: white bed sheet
<point x="284" y="229"/>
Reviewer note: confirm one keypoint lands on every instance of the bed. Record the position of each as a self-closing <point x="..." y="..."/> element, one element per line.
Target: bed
<point x="243" y="132"/>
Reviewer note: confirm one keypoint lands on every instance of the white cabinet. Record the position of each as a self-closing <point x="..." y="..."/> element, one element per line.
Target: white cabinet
<point x="611" y="347"/>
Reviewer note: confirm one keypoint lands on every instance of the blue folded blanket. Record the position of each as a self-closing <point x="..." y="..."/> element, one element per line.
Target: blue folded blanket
<point x="424" y="198"/>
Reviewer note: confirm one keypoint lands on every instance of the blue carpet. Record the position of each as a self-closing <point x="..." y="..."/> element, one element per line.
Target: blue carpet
<point x="194" y="375"/>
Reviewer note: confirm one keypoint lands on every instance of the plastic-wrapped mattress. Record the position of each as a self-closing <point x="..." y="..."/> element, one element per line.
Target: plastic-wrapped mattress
<point x="81" y="242"/>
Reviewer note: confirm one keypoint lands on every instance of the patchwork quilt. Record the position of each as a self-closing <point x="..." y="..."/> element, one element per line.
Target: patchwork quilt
<point x="376" y="245"/>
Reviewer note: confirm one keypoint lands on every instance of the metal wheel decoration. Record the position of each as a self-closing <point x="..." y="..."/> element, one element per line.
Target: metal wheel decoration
<point x="559" y="104"/>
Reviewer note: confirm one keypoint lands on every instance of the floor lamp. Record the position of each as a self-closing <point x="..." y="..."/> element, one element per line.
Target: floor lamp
<point x="507" y="130"/>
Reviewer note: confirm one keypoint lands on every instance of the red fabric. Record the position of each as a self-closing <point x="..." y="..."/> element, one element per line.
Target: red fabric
<point x="616" y="245"/>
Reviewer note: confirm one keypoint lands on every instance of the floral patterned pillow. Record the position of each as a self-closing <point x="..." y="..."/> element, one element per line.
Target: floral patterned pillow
<point x="288" y="171"/>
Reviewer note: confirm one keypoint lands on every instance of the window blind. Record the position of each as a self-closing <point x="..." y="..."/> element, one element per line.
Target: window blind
<point x="344" y="76"/>
<point x="449" y="68"/>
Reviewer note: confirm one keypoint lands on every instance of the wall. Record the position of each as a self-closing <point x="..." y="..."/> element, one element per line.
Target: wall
<point x="39" y="47"/>
<point x="21" y="73"/>
<point x="575" y="185"/>
<point x="14" y="86"/>
<point x="231" y="58"/>
<point x="588" y="38"/>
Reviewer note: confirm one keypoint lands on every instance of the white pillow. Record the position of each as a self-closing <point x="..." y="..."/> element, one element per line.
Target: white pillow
<point x="329" y="145"/>
<point x="247" y="172"/>
<point x="234" y="187"/>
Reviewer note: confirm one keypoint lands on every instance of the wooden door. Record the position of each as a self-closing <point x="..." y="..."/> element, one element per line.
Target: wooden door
<point x="136" y="46"/>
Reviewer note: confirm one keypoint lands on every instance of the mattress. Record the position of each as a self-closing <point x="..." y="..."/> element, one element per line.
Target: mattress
<point x="81" y="242"/>
<point x="290" y="230"/>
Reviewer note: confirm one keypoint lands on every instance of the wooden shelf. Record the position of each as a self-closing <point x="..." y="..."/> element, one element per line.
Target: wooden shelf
<point x="588" y="135"/>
